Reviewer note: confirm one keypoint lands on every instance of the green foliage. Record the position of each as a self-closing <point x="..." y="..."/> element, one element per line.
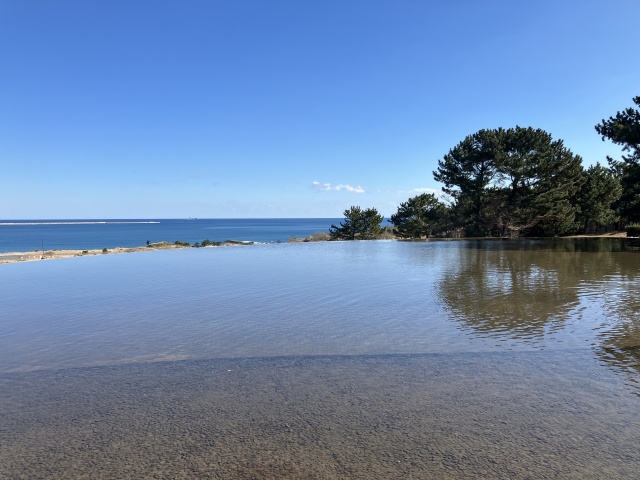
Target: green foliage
<point x="104" y="250"/>
<point x="512" y="182"/>
<point x="624" y="129"/>
<point x="209" y="243"/>
<point x="358" y="225"/>
<point x="633" y="230"/>
<point x="628" y="174"/>
<point x="205" y="243"/>
<point x="466" y="171"/>
<point x="419" y="217"/>
<point x="182" y="244"/>
<point x="599" y="191"/>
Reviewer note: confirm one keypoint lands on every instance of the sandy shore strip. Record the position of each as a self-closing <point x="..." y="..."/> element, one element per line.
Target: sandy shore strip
<point x="13" y="257"/>
<point x="616" y="234"/>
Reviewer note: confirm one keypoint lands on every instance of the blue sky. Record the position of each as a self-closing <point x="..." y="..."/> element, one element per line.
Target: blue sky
<point x="234" y="109"/>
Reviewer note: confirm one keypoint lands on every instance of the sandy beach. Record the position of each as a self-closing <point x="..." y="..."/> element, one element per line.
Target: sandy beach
<point x="13" y="257"/>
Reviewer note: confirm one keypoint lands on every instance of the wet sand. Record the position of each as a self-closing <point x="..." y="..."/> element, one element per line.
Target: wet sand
<point x="13" y="257"/>
<point x="526" y="415"/>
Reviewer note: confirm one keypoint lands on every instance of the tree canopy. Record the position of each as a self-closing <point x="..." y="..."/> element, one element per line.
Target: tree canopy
<point x="420" y="216"/>
<point x="466" y="171"/>
<point x="512" y="182"/>
<point x="358" y="225"/>
<point x="624" y="129"/>
<point x="519" y="182"/>
<point x="595" y="199"/>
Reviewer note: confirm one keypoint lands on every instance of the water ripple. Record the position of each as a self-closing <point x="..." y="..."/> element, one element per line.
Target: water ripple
<point x="346" y="298"/>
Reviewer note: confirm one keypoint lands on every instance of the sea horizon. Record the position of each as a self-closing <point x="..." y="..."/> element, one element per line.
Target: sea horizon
<point x="111" y="219"/>
<point x="98" y="233"/>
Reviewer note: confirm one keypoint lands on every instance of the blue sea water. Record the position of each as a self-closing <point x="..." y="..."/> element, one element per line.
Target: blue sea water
<point x="29" y="235"/>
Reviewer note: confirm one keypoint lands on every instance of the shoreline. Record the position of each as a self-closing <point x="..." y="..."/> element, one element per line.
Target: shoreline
<point x="38" y="255"/>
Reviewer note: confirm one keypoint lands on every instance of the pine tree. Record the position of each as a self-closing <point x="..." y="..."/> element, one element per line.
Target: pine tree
<point x="513" y="182"/>
<point x="624" y="129"/>
<point x="595" y="199"/>
<point x="420" y="216"/>
<point x="358" y="225"/>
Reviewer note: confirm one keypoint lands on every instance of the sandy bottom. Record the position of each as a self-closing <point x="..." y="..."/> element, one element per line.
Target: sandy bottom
<point x="531" y="415"/>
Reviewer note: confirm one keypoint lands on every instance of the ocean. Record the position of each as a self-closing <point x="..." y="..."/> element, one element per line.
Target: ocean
<point x="29" y="235"/>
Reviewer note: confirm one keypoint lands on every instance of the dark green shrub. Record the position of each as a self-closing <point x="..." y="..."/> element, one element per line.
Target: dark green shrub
<point x="182" y="244"/>
<point x="358" y="225"/>
<point x="633" y="230"/>
<point x="104" y="250"/>
<point x="207" y="243"/>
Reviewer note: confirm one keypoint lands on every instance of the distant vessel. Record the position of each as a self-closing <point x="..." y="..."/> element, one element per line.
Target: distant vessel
<point x="192" y="218"/>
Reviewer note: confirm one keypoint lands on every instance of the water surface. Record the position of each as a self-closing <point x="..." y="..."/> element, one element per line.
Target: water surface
<point x="30" y="235"/>
<point x="462" y="359"/>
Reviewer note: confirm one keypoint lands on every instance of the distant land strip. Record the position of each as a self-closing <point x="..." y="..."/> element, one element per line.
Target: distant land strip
<point x="5" y="224"/>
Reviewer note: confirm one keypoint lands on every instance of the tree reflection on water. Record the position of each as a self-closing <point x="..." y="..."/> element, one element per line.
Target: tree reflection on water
<point x="530" y="290"/>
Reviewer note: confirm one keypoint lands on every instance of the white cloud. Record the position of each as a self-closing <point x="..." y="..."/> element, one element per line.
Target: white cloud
<point x="327" y="187"/>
